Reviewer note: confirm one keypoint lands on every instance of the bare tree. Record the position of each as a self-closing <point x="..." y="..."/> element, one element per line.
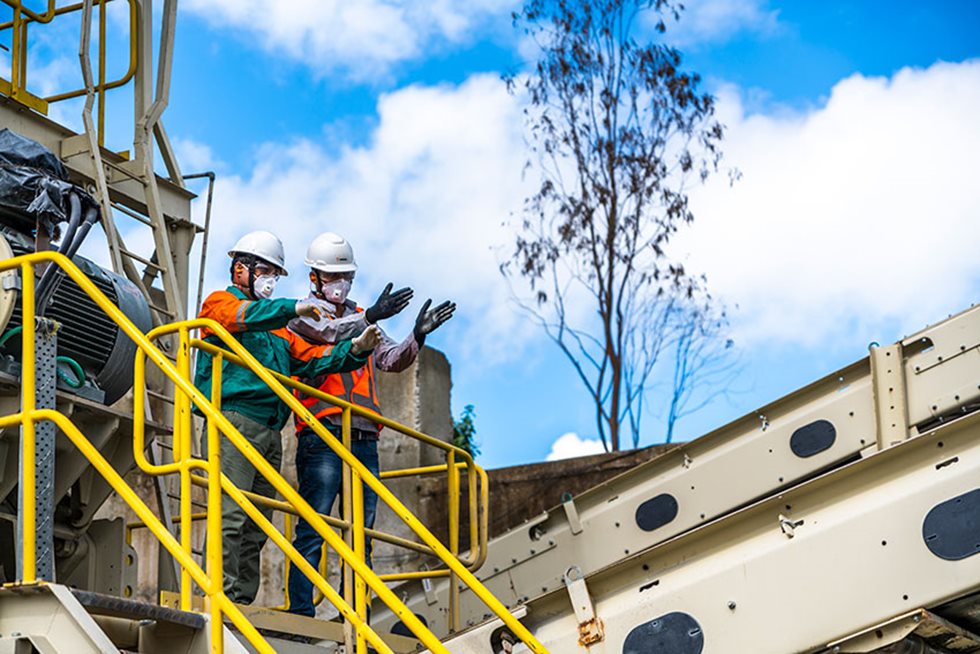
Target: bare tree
<point x="701" y="352"/>
<point x="617" y="132"/>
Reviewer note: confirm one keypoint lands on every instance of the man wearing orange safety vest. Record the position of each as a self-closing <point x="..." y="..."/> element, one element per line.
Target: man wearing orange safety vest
<point x="247" y="310"/>
<point x="319" y="470"/>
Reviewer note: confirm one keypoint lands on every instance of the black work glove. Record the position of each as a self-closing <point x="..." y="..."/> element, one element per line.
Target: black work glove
<point x="388" y="304"/>
<point x="430" y="320"/>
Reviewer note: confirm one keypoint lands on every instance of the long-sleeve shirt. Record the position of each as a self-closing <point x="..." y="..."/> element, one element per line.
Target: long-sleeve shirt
<point x="388" y="356"/>
<point x="260" y="325"/>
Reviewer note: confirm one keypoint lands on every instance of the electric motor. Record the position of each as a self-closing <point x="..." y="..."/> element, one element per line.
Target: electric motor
<point x="87" y="335"/>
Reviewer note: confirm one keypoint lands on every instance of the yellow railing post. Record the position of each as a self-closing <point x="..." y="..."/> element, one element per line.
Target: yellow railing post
<point x="182" y="435"/>
<point x="101" y="86"/>
<point x="215" y="552"/>
<point x="16" y="54"/>
<point x="472" y="508"/>
<point x="289" y="532"/>
<point x="357" y="531"/>
<point x="347" y="500"/>
<point x="453" y="491"/>
<point x="28" y="481"/>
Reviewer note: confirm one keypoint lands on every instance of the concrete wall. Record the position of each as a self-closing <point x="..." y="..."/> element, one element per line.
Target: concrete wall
<point x="521" y="492"/>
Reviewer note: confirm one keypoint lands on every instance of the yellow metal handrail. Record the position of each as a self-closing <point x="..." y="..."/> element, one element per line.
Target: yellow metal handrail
<point x="19" y="7"/>
<point x="184" y="463"/>
<point x="277" y="382"/>
<point x="211" y="581"/>
<point x="16" y="87"/>
<point x="477" y="482"/>
<point x="221" y="606"/>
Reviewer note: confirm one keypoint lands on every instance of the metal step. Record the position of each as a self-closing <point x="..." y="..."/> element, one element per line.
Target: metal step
<point x="272" y="622"/>
<point x="120" y="607"/>
<point x="54" y="619"/>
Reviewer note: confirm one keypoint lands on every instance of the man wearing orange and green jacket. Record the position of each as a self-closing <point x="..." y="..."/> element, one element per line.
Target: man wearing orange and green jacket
<point x="247" y="310"/>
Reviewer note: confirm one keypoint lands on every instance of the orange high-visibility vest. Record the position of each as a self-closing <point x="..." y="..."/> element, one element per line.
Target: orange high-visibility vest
<point x="357" y="387"/>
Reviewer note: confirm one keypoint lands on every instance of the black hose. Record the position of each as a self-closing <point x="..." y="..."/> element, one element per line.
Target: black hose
<point x="91" y="217"/>
<point x="74" y="219"/>
<point x="47" y="285"/>
<point x="69" y="249"/>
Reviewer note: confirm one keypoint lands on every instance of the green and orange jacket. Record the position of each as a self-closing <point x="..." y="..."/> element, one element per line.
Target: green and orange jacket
<point x="260" y="325"/>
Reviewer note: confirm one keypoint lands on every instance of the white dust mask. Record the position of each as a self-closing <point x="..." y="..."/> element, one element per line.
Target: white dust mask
<point x="264" y="285"/>
<point x="336" y="291"/>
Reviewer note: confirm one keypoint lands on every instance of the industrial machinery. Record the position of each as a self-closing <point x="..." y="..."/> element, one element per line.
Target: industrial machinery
<point x="844" y="517"/>
<point x="841" y="518"/>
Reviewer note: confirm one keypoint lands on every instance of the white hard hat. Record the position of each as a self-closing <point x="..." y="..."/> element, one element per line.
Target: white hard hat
<point x="331" y="252"/>
<point x="263" y="245"/>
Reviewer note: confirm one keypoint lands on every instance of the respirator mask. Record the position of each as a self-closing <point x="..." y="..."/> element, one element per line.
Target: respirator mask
<point x="264" y="285"/>
<point x="336" y="291"/>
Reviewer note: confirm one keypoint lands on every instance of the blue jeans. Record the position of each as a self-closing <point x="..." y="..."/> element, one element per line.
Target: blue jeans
<point x="320" y="474"/>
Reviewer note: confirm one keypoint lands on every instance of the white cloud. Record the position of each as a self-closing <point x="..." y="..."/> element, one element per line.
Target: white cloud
<point x="364" y="37"/>
<point x="571" y="445"/>
<point x="713" y="21"/>
<point x="850" y="217"/>
<point x="194" y="156"/>
<point x="422" y="202"/>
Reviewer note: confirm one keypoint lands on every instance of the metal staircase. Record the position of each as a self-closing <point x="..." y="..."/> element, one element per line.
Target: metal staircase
<point x="206" y="473"/>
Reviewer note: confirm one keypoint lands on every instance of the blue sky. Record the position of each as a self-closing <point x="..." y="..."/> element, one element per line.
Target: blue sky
<point x="853" y="123"/>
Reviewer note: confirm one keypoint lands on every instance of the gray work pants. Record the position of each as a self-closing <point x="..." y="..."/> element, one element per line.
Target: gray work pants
<point x="242" y="539"/>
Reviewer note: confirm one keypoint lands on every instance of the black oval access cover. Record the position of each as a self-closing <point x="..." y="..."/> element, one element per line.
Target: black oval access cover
<point x="673" y="633"/>
<point x="656" y="512"/>
<point x="951" y="529"/>
<point x="400" y="629"/>
<point x="812" y="439"/>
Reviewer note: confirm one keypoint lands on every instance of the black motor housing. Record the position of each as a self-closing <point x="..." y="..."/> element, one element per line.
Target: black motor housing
<point x="87" y="334"/>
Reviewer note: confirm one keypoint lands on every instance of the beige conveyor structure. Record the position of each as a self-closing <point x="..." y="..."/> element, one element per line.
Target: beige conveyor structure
<point x="843" y="517"/>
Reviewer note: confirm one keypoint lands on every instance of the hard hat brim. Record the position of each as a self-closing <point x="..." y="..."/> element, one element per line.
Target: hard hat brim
<point x="332" y="267"/>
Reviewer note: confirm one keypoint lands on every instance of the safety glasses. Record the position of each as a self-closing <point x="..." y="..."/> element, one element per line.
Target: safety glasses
<point x="327" y="277"/>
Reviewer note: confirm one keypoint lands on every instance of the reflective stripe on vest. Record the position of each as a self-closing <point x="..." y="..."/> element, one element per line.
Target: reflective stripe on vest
<point x="357" y="387"/>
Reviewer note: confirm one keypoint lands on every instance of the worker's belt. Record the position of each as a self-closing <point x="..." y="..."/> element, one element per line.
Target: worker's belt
<point x="358" y="434"/>
<point x="355" y="433"/>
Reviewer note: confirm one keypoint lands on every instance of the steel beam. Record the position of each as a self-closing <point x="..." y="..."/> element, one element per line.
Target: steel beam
<point x="45" y="382"/>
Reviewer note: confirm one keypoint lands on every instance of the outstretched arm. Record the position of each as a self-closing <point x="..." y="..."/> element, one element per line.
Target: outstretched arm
<point x="308" y="360"/>
<point x="395" y="357"/>
<point x="430" y="320"/>
<point x="326" y="330"/>
<point x="240" y="315"/>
